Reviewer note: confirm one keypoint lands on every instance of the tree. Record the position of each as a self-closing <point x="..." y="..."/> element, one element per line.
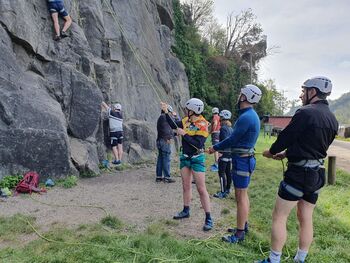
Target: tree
<point x="215" y="34"/>
<point x="198" y="12"/>
<point x="242" y="31"/>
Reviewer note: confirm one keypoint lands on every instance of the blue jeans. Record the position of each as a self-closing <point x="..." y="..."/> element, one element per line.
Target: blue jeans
<point x="163" y="161"/>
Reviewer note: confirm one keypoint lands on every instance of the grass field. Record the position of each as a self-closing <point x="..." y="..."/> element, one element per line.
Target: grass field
<point x="112" y="241"/>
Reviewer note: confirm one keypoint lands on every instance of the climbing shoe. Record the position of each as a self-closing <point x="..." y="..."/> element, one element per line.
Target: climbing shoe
<point x="214" y="167"/>
<point x="57" y="38"/>
<point x="233" y="239"/>
<point x="64" y="34"/>
<point x="159" y="179"/>
<point x="266" y="260"/>
<point x="181" y="215"/>
<point x="169" y="180"/>
<point x="220" y="195"/>
<point x="234" y="230"/>
<point x="208" y="224"/>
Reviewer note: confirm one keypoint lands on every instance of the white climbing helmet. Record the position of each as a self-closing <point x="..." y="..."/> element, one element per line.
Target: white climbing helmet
<point x="195" y="105"/>
<point x="215" y="110"/>
<point x="118" y="106"/>
<point x="323" y="84"/>
<point x="225" y="114"/>
<point x="252" y="92"/>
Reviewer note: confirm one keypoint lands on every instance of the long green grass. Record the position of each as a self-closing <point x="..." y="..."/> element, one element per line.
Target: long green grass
<point x="118" y="243"/>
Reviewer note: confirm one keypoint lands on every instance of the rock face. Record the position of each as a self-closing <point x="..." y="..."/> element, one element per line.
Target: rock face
<point x="51" y="92"/>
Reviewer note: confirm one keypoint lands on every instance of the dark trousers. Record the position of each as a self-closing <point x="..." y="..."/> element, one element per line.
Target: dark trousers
<point x="225" y="175"/>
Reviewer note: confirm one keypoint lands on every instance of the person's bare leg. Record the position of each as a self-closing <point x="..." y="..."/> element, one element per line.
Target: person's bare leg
<point x="120" y="151"/>
<point x="186" y="185"/>
<point x="242" y="200"/>
<point x="67" y="23"/>
<point x="56" y="25"/>
<point x="304" y="213"/>
<point x="115" y="152"/>
<point x="279" y="223"/>
<point x="202" y="190"/>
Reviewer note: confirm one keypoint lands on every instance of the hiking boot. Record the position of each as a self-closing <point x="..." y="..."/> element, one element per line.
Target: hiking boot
<point x="208" y="224"/>
<point x="220" y="195"/>
<point x="214" y="167"/>
<point x="57" y="38"/>
<point x="169" y="180"/>
<point x="234" y="230"/>
<point x="159" y="179"/>
<point x="64" y="34"/>
<point x="232" y="239"/>
<point x="181" y="215"/>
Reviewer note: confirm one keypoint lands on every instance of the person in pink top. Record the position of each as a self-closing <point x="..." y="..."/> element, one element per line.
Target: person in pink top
<point x="215" y="134"/>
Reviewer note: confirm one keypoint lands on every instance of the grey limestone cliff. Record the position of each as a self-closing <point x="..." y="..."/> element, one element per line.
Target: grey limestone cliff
<point x="51" y="92"/>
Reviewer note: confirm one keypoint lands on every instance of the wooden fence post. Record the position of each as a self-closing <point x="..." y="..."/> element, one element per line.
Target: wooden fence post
<point x="331" y="169"/>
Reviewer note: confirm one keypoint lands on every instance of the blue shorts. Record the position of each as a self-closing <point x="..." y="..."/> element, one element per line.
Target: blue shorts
<point x="57" y="7"/>
<point x="242" y="169"/>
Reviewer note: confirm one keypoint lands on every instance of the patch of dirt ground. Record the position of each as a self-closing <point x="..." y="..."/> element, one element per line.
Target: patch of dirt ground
<point x="132" y="196"/>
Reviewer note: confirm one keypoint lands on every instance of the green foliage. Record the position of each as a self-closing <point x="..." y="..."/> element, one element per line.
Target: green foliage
<point x="68" y="182"/>
<point x="112" y="222"/>
<point x="87" y="174"/>
<point x="10" y="181"/>
<point x="340" y="108"/>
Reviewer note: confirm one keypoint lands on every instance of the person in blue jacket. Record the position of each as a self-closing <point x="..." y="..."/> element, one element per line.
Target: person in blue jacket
<point x="224" y="163"/>
<point x="242" y="141"/>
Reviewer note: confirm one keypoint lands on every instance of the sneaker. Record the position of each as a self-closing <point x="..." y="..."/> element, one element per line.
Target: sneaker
<point x="64" y="34"/>
<point x="57" y="38"/>
<point x="159" y="179"/>
<point x="169" y="180"/>
<point x="116" y="162"/>
<point x="220" y="195"/>
<point x="298" y="261"/>
<point x="266" y="260"/>
<point x="181" y="215"/>
<point x="232" y="239"/>
<point x="208" y="224"/>
<point x="214" y="168"/>
<point x="234" y="230"/>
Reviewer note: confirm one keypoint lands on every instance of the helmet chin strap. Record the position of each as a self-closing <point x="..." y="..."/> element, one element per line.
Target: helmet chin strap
<point x="188" y="113"/>
<point x="238" y="104"/>
<point x="308" y="100"/>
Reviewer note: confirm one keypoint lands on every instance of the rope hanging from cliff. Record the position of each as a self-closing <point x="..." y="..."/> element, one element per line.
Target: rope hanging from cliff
<point x="140" y="61"/>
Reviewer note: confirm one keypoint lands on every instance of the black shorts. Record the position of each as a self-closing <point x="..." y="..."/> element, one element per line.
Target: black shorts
<point x="302" y="183"/>
<point x="116" y="138"/>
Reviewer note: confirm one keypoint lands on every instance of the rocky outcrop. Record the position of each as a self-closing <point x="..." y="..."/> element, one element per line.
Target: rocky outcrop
<point x="51" y="92"/>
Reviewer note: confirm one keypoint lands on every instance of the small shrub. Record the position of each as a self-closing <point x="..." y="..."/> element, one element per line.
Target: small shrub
<point x="87" y="174"/>
<point x="69" y="182"/>
<point x="10" y="181"/>
<point x="112" y="222"/>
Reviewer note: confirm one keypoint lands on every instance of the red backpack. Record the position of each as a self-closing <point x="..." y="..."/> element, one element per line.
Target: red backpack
<point x="29" y="183"/>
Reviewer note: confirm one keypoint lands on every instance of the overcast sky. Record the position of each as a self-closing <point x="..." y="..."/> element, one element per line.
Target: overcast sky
<point x="313" y="36"/>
